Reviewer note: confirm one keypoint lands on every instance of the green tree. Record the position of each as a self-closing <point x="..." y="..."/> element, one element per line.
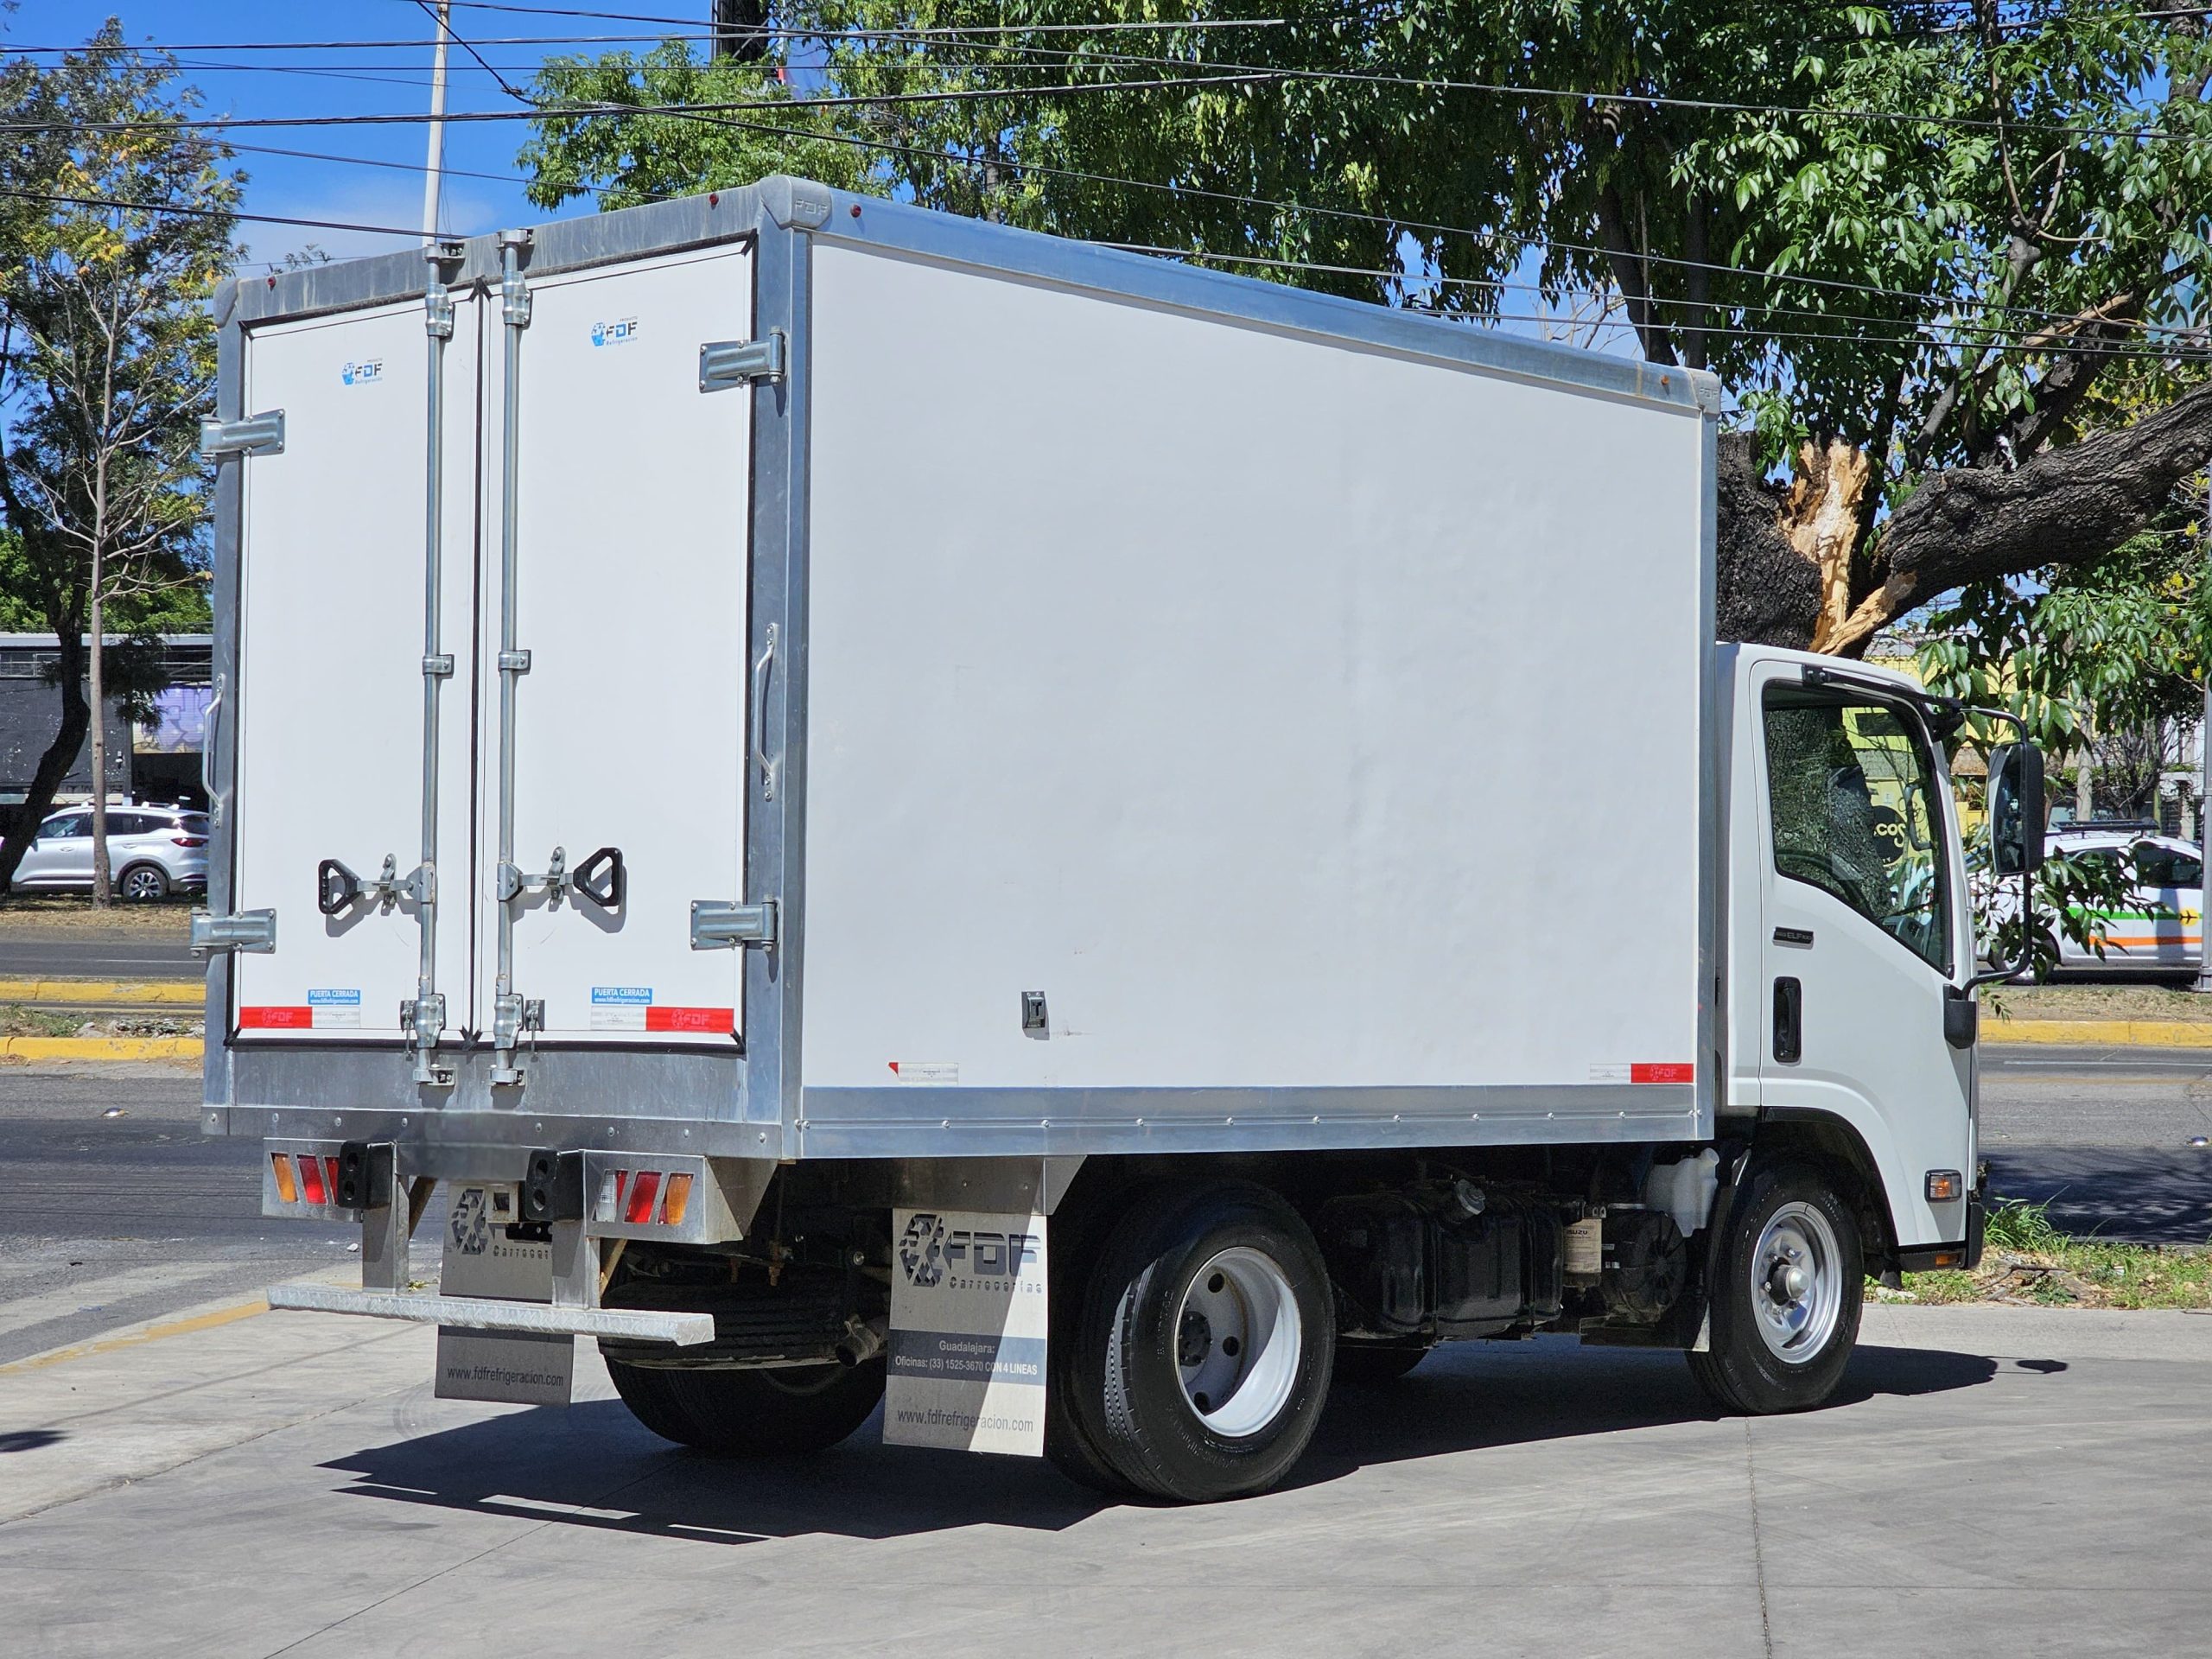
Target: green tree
<point x="1927" y="252"/>
<point x="114" y="240"/>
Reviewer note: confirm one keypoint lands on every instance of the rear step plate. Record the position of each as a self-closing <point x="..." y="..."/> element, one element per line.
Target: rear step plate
<point x="489" y="1313"/>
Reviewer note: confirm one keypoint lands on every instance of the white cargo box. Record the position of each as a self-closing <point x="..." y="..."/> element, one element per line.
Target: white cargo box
<point x="1127" y="707"/>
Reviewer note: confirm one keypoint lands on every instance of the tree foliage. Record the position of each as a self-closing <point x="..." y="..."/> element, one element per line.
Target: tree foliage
<point x="112" y="241"/>
<point x="1910" y="240"/>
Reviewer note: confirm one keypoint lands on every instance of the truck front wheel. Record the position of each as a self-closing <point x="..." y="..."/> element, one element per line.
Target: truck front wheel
<point x="1201" y="1351"/>
<point x="1788" y="1275"/>
<point x="753" y="1413"/>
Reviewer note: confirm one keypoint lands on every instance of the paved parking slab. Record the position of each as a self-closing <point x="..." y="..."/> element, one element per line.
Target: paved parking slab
<point x="1994" y="1480"/>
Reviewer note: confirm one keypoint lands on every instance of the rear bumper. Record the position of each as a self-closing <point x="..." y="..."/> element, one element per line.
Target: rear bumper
<point x="489" y="1313"/>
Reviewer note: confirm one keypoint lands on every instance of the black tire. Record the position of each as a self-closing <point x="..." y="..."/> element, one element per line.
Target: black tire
<point x="144" y="884"/>
<point x="1143" y="1318"/>
<point x="1376" y="1364"/>
<point x="751" y="1413"/>
<point x="1756" y="1363"/>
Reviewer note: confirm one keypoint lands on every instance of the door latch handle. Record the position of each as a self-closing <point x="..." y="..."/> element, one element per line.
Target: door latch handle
<point x="336" y="887"/>
<point x="601" y="878"/>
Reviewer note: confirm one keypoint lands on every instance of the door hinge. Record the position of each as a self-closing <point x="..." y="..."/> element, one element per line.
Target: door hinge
<point x="727" y="363"/>
<point x="256" y="435"/>
<point x="716" y="925"/>
<point x="249" y="930"/>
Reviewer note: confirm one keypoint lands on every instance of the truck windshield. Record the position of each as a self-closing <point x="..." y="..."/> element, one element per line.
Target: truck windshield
<point x="1852" y="791"/>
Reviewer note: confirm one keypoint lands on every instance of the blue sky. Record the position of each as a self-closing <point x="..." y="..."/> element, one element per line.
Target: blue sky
<point x="307" y="80"/>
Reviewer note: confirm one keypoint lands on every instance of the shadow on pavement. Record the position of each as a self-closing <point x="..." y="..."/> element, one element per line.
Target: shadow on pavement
<point x="2148" y="1196"/>
<point x="29" y="1439"/>
<point x="592" y="1466"/>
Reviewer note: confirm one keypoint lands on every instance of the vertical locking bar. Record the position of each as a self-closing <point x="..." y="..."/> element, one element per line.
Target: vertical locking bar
<point x="514" y="312"/>
<point x="437" y="323"/>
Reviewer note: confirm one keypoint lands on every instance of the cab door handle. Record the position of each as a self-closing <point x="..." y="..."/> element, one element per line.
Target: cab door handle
<point x="1788" y="1021"/>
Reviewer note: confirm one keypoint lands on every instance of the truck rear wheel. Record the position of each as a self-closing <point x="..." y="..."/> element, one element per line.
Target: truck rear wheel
<point x="1201" y="1348"/>
<point x="1788" y="1273"/>
<point x="755" y="1412"/>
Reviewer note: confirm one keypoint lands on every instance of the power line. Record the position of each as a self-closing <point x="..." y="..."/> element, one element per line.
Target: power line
<point x="71" y="199"/>
<point x="1140" y="27"/>
<point x="1385" y="221"/>
<point x="708" y="112"/>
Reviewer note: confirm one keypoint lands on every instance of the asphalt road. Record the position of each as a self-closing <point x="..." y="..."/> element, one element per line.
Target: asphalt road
<point x="2102" y="1135"/>
<point x="34" y="954"/>
<point x="108" y="1221"/>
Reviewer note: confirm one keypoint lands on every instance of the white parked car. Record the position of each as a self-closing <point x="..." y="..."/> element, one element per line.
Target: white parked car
<point x="2160" y="929"/>
<point x="152" y="852"/>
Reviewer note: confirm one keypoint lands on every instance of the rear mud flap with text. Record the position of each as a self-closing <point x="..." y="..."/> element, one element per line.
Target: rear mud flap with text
<point x="968" y="1332"/>
<point x="514" y="1368"/>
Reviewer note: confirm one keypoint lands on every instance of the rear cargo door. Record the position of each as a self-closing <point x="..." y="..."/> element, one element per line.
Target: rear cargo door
<point x="328" y="703"/>
<point x="630" y="597"/>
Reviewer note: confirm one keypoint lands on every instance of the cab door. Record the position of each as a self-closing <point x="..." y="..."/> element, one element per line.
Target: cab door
<point x="1862" y="935"/>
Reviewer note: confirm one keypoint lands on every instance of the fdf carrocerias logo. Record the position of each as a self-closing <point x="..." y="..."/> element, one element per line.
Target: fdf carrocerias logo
<point x="921" y="1250"/>
<point x="471" y="1225"/>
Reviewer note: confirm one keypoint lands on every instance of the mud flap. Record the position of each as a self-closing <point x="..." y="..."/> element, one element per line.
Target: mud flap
<point x="968" y="1332"/>
<point x="482" y="1259"/>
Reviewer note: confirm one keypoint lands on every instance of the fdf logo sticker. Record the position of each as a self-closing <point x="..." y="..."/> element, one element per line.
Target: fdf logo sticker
<point x="620" y="332"/>
<point x="927" y="1252"/>
<point x="365" y="373"/>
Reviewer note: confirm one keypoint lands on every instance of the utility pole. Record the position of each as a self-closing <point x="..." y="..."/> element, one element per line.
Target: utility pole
<point x="433" y="173"/>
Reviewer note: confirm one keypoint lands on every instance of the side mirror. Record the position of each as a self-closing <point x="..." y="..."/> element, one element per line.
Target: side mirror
<point x="2016" y="809"/>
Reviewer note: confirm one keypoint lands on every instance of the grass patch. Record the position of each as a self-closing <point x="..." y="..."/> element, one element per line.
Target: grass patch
<point x="16" y="1020"/>
<point x="2029" y="1263"/>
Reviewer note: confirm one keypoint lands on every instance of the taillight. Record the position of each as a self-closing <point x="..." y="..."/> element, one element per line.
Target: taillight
<point x="286" y="1188"/>
<point x="677" y="1201"/>
<point x="189" y="841"/>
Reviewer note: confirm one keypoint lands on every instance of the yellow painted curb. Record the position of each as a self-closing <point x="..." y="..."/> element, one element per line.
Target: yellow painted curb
<point x="2125" y="1033"/>
<point x="100" y="1048"/>
<point x="107" y="992"/>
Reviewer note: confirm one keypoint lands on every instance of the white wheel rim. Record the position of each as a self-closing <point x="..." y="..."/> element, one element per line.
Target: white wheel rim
<point x="1797" y="1284"/>
<point x="139" y="884"/>
<point x="1237" y="1343"/>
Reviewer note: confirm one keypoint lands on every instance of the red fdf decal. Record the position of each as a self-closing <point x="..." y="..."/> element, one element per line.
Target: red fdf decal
<point x="658" y="1019"/>
<point x="1662" y="1071"/>
<point x="299" y="1018"/>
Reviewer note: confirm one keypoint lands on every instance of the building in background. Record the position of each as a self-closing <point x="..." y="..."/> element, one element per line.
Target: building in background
<point x="156" y="761"/>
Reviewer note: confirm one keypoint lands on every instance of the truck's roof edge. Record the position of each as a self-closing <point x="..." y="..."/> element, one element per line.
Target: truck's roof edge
<point x="791" y="203"/>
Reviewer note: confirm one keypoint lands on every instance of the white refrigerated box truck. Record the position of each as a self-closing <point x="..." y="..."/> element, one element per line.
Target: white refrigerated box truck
<point x="899" y="810"/>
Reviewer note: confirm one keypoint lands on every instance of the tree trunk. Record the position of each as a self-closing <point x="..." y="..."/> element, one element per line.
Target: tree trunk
<point x="103" y="877"/>
<point x="1783" y="582"/>
<point x="19" y="822"/>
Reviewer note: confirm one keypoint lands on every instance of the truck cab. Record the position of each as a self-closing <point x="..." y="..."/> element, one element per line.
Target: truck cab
<point x="1851" y="937"/>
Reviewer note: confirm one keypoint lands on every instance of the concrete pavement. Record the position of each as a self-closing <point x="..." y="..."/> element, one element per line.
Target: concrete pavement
<point x="1993" y="1481"/>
